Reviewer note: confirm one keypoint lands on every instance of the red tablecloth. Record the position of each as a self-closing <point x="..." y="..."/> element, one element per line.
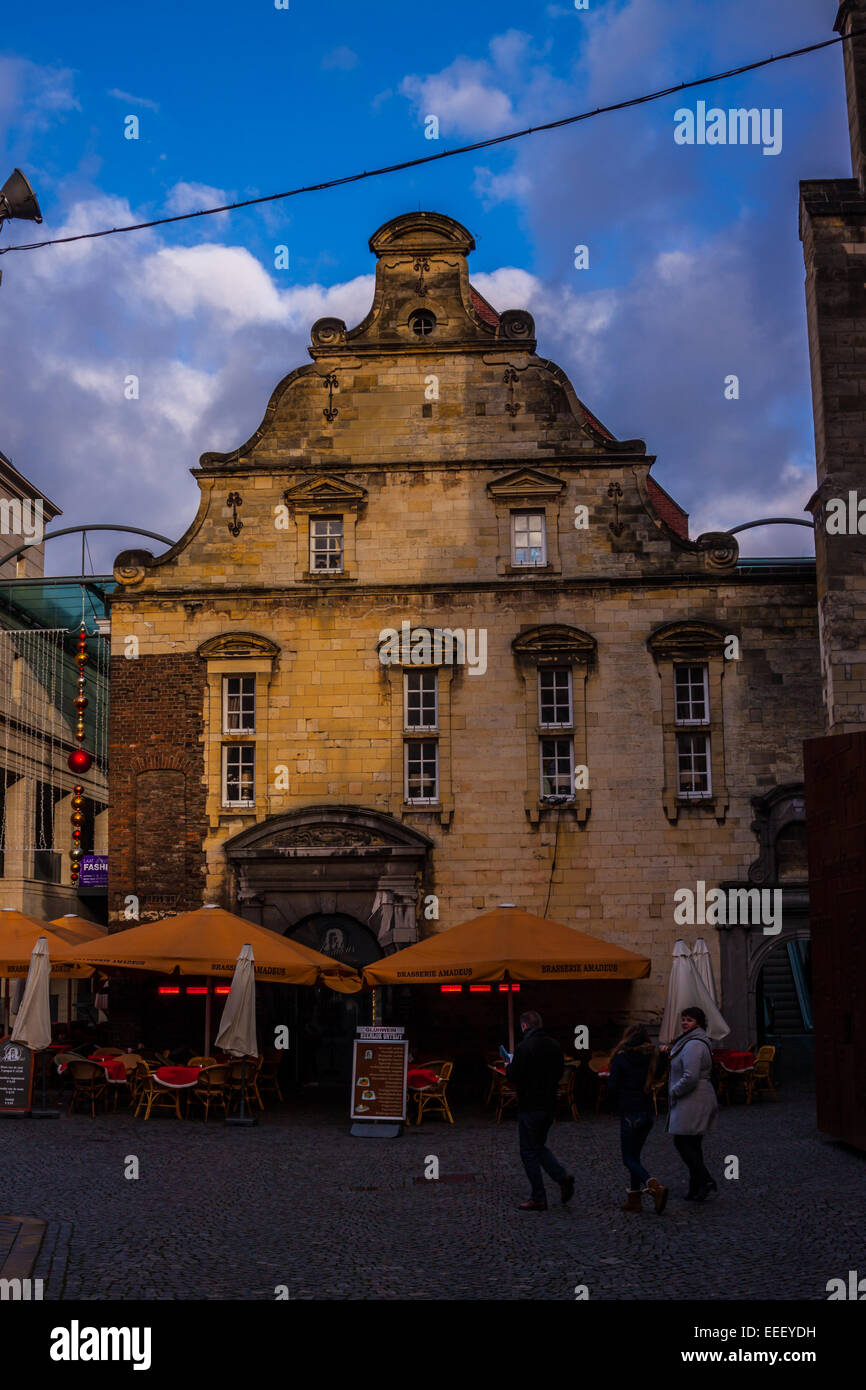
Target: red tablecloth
<point x="178" y="1076"/>
<point x="114" y="1068"/>
<point x="418" y="1077"/>
<point x="733" y="1060"/>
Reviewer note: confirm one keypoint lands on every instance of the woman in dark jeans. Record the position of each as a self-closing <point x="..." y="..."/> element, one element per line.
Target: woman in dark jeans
<point x="632" y="1072"/>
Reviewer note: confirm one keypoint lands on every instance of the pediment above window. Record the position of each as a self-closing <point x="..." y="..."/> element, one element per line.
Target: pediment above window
<point x="325" y="493"/>
<point x="526" y="485"/>
<point x="554" y="643"/>
<point x="238" y="645"/>
<point x="684" y="641"/>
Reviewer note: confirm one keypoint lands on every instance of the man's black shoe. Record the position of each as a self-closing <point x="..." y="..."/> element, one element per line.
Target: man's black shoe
<point x="566" y="1187"/>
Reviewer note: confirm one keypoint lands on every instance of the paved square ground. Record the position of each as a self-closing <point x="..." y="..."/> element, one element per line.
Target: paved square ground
<point x="221" y="1213"/>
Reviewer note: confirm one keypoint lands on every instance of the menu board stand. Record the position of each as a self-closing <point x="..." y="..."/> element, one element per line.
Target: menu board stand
<point x="378" y="1103"/>
<point x="16" y="1078"/>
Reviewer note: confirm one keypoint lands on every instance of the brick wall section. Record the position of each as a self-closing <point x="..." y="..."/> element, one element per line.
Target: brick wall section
<point x="157" y="794"/>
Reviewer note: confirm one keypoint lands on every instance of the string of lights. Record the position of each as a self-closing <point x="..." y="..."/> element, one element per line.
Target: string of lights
<point x="444" y="154"/>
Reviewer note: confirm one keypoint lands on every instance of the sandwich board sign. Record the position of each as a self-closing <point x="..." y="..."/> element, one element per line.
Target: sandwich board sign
<point x="16" y="1078"/>
<point x="379" y="1064"/>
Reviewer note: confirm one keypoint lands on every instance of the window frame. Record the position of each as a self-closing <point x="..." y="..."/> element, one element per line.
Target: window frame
<point x="327" y="519"/>
<point x="547" y="797"/>
<point x="692" y="642"/>
<point x="421" y="800"/>
<point x="228" y="749"/>
<point x="695" y="734"/>
<point x="554" y="671"/>
<point x="420" y="676"/>
<point x="242" y="730"/>
<point x="707" y="720"/>
<point x="541" y="515"/>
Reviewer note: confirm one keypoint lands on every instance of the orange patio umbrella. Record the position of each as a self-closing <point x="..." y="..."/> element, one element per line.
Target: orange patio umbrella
<point x="507" y="944"/>
<point x="19" y="934"/>
<point x="75" y="929"/>
<point x="208" y="942"/>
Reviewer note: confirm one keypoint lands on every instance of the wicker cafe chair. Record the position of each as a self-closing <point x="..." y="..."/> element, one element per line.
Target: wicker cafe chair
<point x="269" y="1078"/>
<point x="565" y="1092"/>
<point x="88" y="1083"/>
<point x="494" y="1066"/>
<point x="211" y="1088"/>
<point x="727" y="1081"/>
<point x="152" y="1095"/>
<point x="202" y="1062"/>
<point x="504" y="1094"/>
<point x="759" y="1076"/>
<point x="250" y="1085"/>
<point x="435" y="1097"/>
<point x="130" y="1061"/>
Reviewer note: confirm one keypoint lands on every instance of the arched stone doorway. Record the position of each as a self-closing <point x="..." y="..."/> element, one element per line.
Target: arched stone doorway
<point x="346" y="881"/>
<point x="343" y="860"/>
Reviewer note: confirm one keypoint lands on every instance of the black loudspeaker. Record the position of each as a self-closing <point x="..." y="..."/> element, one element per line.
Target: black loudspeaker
<point x="17" y="199"/>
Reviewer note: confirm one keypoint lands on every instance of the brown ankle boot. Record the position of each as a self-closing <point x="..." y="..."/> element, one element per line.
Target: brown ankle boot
<point x="658" y="1193"/>
<point x="632" y="1202"/>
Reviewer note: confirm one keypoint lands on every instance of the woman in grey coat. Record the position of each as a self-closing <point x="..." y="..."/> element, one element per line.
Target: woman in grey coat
<point x="692" y="1106"/>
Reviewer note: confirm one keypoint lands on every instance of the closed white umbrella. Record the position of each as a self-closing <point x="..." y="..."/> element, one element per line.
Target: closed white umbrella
<point x="237" y="1034"/>
<point x="33" y="1021"/>
<point x="686" y="988"/>
<point x="703" y="963"/>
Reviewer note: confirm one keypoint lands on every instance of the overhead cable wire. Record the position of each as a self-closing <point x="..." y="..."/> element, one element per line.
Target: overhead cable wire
<point x="444" y="154"/>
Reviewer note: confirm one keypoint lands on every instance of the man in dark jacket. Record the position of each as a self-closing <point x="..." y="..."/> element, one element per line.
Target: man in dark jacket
<point x="535" y="1072"/>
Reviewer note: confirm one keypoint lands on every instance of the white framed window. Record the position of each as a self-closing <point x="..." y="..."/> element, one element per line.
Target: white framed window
<point x="694" y="775"/>
<point x="557" y="767"/>
<point x="422" y="771"/>
<point x="239" y="704"/>
<point x="528" y="541"/>
<point x="555" y="707"/>
<point x="326" y="544"/>
<point x="420" y="700"/>
<point x="239" y="774"/>
<point x="691" y="695"/>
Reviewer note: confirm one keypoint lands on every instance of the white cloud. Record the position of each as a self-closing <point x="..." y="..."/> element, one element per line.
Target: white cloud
<point x="464" y="98"/>
<point x="342" y="57"/>
<point x="193" y="197"/>
<point x="133" y="101"/>
<point x="33" y="97"/>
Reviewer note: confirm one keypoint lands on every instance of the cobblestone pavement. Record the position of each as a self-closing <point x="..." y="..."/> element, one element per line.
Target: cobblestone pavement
<point x="223" y="1213"/>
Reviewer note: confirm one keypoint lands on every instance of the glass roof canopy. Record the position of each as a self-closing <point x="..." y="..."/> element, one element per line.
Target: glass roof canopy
<point x="50" y="602"/>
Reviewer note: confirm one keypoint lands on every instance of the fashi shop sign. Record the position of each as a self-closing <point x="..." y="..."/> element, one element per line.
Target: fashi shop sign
<point x="93" y="871"/>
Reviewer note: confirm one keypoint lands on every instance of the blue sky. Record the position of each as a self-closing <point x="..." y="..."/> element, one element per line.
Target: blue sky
<point x="695" y="271"/>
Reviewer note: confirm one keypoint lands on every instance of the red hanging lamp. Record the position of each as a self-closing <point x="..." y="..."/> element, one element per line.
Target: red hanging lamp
<point x="79" y="760"/>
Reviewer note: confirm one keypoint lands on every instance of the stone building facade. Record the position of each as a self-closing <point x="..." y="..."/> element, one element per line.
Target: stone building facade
<point x="833" y="231"/>
<point x="612" y="712"/>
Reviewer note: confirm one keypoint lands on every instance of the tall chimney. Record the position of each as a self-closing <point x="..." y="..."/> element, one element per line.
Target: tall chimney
<point x="850" y="18"/>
